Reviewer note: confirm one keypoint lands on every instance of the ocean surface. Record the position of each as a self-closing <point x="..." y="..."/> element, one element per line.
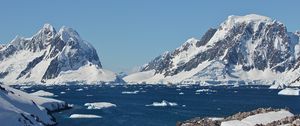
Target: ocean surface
<point x="134" y="104"/>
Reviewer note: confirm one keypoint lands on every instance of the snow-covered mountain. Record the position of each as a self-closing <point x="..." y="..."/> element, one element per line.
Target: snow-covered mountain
<point x="18" y="108"/>
<point x="243" y="49"/>
<point x="52" y="57"/>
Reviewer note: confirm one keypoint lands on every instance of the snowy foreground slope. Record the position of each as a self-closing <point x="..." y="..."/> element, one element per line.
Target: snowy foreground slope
<point x="250" y="49"/>
<point x="261" y="117"/>
<point x="52" y="57"/>
<point x="18" y="108"/>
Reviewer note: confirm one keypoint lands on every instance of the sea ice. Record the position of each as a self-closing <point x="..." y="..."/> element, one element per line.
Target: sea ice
<point x="290" y="91"/>
<point x="163" y="104"/>
<point x="99" y="105"/>
<point x="42" y="93"/>
<point x="130" y="92"/>
<point x="74" y="116"/>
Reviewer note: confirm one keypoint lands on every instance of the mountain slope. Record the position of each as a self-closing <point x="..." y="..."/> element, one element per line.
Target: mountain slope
<point x="18" y="108"/>
<point x="244" y="49"/>
<point x="52" y="57"/>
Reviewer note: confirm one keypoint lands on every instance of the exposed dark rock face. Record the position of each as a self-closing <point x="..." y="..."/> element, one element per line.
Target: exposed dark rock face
<point x="3" y="74"/>
<point x="206" y="37"/>
<point x="9" y="51"/>
<point x="159" y="63"/>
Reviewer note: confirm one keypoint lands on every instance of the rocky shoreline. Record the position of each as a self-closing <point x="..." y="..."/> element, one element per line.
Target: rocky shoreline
<point x="293" y="120"/>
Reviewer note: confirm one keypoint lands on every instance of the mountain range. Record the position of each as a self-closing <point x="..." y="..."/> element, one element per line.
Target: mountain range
<point x="250" y="49"/>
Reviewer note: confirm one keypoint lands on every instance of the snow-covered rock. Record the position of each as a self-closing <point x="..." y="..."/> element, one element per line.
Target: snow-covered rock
<point x="99" y="105"/>
<point x="290" y="91"/>
<point x="53" y="58"/>
<point x="261" y="116"/>
<point x="19" y="108"/>
<point x="265" y="118"/>
<point x="250" y="49"/>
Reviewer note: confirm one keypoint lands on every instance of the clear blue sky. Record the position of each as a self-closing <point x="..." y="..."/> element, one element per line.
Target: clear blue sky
<point x="128" y="33"/>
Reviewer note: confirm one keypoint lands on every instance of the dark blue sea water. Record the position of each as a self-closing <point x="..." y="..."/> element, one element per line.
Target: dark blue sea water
<point x="131" y="109"/>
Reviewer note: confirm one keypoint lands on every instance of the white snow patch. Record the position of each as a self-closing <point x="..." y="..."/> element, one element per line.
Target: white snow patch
<point x="266" y="118"/>
<point x="14" y="102"/>
<point x="137" y="77"/>
<point x="263" y="118"/>
<point x="88" y="74"/>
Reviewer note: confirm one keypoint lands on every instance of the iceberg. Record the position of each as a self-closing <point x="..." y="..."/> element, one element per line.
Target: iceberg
<point x="99" y="105"/>
<point x="290" y="92"/>
<point x="42" y="93"/>
<point x="130" y="92"/>
<point x="163" y="103"/>
<point x="74" y="116"/>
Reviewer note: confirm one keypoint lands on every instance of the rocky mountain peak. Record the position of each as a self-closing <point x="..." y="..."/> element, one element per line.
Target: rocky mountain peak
<point x="68" y="34"/>
<point x="49" y="55"/>
<point x="46" y="34"/>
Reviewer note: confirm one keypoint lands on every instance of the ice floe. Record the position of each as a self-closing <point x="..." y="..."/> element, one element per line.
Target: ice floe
<point x="130" y="92"/>
<point x="163" y="103"/>
<point x="205" y="90"/>
<point x="290" y="91"/>
<point x="74" y="116"/>
<point x="80" y="89"/>
<point x="99" y="105"/>
<point x="42" y="93"/>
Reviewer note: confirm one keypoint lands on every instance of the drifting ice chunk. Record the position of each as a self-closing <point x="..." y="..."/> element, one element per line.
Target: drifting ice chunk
<point x="99" y="105"/>
<point x="42" y="93"/>
<point x="84" y="116"/>
<point x="289" y="91"/>
<point x="164" y="103"/>
<point x="205" y="90"/>
<point x="130" y="92"/>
